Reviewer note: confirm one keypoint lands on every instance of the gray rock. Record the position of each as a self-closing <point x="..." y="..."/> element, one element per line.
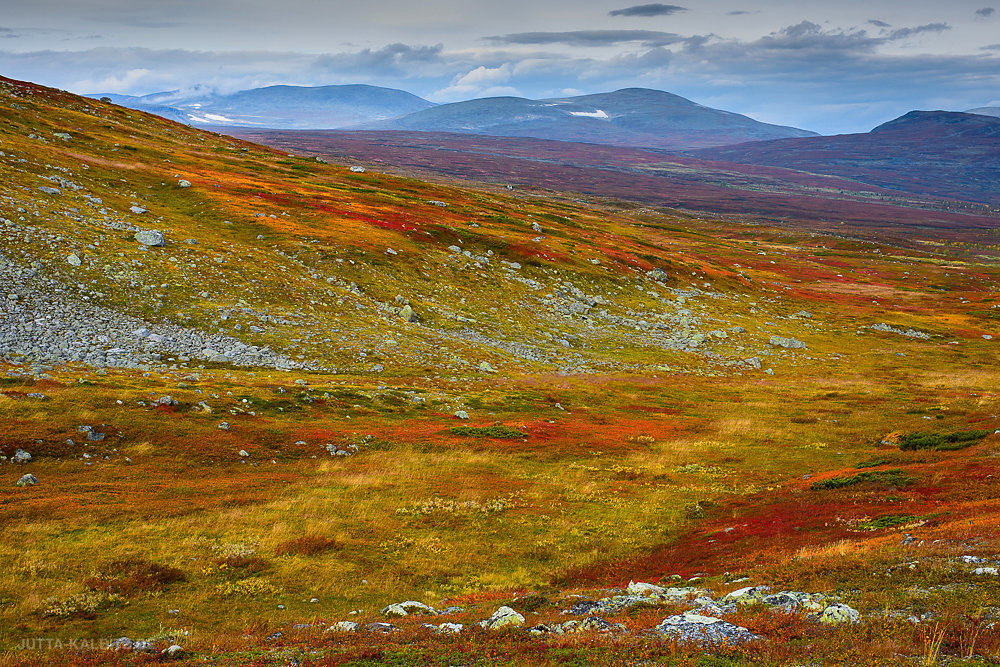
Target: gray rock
<point x="49" y="191"/>
<point x="407" y="608"/>
<point x="138" y="210"/>
<point x="20" y="456"/>
<point x="183" y="184"/>
<point x="449" y="628"/>
<point x="704" y="630"/>
<point x="535" y="227"/>
<point x="790" y="343"/>
<point x="753" y="362"/>
<point x="173" y="652"/>
<point x="74" y="260"/>
<point x="94" y="436"/>
<point x="27" y="480"/>
<point x="224" y="426"/>
<point x="358" y="170"/>
<point x="381" y="628"/>
<point x="151" y="237"/>
<point x="504" y="617"/>
<point x="461" y="414"/>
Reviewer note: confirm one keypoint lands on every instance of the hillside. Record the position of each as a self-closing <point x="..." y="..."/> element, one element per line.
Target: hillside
<point x="345" y="417"/>
<point x="931" y="153"/>
<point x="291" y="107"/>
<point x="698" y="187"/>
<point x="629" y="117"/>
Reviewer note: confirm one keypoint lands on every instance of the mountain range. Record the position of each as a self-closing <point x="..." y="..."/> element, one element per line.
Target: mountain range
<point x="937" y="153"/>
<point x="288" y="107"/>
<point x="631" y="117"/>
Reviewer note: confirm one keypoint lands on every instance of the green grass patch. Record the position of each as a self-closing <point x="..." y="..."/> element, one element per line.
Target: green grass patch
<point x="942" y="442"/>
<point x="486" y="431"/>
<point x="887" y="477"/>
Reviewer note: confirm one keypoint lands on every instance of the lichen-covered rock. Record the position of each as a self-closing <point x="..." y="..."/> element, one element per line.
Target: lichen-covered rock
<point x="343" y="626"/>
<point x="838" y="614"/>
<point x="704" y="630"/>
<point x="747" y="595"/>
<point x="504" y="617"/>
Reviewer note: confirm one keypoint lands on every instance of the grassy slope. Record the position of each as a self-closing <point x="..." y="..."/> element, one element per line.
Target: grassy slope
<point x="655" y="454"/>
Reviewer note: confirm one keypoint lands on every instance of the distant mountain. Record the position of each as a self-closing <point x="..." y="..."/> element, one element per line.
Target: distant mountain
<point x="279" y="107"/>
<point x="629" y="117"/>
<point x="938" y="153"/>
<point x="986" y="111"/>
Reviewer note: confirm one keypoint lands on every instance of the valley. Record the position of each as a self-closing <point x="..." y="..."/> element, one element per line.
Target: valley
<point x="348" y="399"/>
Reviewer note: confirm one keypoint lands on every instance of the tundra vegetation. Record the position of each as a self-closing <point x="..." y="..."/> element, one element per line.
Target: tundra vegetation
<point x="332" y="396"/>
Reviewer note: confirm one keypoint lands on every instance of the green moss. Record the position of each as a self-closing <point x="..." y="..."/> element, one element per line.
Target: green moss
<point x="887" y="522"/>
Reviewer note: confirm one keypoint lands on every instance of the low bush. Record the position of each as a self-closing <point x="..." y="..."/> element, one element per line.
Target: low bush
<point x="307" y="545"/>
<point x="894" y="477"/>
<point x="942" y="442"/>
<point x="486" y="431"/>
<point x="132" y="575"/>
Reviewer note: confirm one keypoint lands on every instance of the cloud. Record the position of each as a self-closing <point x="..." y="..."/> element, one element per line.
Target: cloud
<point x="649" y="38"/>
<point x="903" y="33"/>
<point x="654" y="9"/>
<point x="116" y="84"/>
<point x="738" y="12"/>
<point x="391" y="60"/>
<point x="480" y="82"/>
<point x="986" y="12"/>
<point x="8" y="33"/>
<point x="879" y="24"/>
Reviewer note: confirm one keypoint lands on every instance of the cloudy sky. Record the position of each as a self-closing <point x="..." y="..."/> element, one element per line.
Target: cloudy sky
<point x="832" y="67"/>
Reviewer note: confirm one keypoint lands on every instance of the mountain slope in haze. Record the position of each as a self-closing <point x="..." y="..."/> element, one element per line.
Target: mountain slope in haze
<point x="628" y="117"/>
<point x="286" y="107"/>
<point x="985" y="111"/>
<point x="938" y="153"/>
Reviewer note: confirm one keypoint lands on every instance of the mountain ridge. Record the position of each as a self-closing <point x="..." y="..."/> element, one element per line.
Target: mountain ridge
<point x="640" y="117"/>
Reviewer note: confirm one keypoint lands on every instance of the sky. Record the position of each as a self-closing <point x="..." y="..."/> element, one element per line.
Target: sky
<point x="830" y="67"/>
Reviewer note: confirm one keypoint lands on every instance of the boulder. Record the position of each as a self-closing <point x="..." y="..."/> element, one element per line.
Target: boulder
<point x="504" y="617"/>
<point x="20" y="456"/>
<point x="838" y="614"/>
<point x="173" y="652"/>
<point x="151" y="237"/>
<point x="183" y="184"/>
<point x="74" y="260"/>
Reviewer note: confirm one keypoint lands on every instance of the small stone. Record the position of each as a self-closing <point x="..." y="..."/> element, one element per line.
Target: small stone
<point x="358" y="170"/>
<point x="137" y="210"/>
<point x="27" y="480"/>
<point x="224" y="426"/>
<point x="244" y="453"/>
<point x="449" y="628"/>
<point x="461" y="414"/>
<point x="643" y="589"/>
<point x="173" y="652"/>
<point x="486" y="367"/>
<point x="788" y="343"/>
<point x="183" y="183"/>
<point x="20" y="456"/>
<point x="74" y="260"/>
